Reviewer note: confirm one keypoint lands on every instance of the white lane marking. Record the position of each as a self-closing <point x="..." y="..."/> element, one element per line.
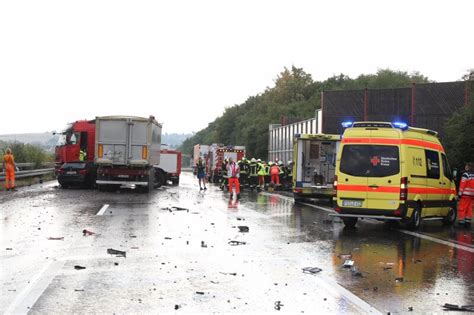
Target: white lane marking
<point x="28" y="297"/>
<point x="302" y="203"/>
<point x="335" y="287"/>
<point x="317" y="207"/>
<point x="278" y="195"/>
<point x="437" y="240"/>
<point x="102" y="210"/>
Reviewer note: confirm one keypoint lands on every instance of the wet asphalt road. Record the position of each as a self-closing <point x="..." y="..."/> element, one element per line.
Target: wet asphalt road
<point x="182" y="262"/>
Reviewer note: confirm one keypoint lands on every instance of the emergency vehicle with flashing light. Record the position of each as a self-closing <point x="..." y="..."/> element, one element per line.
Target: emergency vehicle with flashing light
<point x="390" y="171"/>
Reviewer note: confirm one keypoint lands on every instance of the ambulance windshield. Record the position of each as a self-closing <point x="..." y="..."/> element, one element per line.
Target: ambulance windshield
<point x="370" y="160"/>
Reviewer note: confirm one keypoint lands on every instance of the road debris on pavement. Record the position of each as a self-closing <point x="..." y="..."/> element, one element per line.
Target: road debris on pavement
<point x="87" y="232"/>
<point x="117" y="253"/>
<point x="348" y="263"/>
<point x="56" y="238"/>
<point x="235" y="243"/>
<point x="77" y="267"/>
<point x="454" y="307"/>
<point x="278" y="305"/>
<point x="312" y="270"/>
<point x="243" y="228"/>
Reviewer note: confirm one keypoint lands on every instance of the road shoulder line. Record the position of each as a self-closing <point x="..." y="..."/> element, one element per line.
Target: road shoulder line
<point x="437" y="240"/>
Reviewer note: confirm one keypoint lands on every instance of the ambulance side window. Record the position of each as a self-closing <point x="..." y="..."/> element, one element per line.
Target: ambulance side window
<point x="446" y="169"/>
<point x="432" y="164"/>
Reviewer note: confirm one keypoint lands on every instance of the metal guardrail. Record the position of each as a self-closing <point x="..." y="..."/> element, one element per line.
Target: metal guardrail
<point x="29" y="173"/>
<point x="32" y="164"/>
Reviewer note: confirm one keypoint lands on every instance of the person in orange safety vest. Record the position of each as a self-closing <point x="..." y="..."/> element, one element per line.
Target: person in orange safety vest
<point x="275" y="174"/>
<point x="8" y="166"/>
<point x="466" y="196"/>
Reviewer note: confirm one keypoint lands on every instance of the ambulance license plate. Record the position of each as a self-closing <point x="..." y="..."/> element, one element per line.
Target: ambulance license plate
<point x="71" y="173"/>
<point x="352" y="203"/>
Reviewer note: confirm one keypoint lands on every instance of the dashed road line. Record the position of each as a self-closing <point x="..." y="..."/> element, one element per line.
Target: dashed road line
<point x="102" y="210"/>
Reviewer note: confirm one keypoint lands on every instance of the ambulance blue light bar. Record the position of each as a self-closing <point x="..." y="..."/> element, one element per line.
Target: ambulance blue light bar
<point x="400" y="125"/>
<point x="347" y="124"/>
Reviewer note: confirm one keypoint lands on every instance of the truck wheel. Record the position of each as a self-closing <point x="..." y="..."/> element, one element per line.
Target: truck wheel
<point x="415" y="221"/>
<point x="160" y="178"/>
<point x="349" y="222"/>
<point x="451" y="216"/>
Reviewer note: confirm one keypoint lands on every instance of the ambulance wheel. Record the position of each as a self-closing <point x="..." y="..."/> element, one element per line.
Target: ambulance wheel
<point x="349" y="222"/>
<point x="415" y="221"/>
<point x="451" y="216"/>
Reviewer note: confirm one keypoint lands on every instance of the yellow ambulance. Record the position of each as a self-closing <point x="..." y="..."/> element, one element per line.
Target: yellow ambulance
<point x="390" y="171"/>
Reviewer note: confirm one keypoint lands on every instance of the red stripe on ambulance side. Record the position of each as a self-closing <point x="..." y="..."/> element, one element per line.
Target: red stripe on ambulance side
<point x="414" y="142"/>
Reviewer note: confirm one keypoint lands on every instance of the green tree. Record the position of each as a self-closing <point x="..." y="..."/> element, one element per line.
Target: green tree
<point x="460" y="137"/>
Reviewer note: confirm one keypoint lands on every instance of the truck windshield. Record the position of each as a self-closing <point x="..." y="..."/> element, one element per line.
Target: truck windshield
<point x="370" y="160"/>
<point x="68" y="136"/>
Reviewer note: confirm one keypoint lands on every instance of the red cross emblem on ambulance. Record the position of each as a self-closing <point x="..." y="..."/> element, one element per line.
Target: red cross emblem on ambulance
<point x="375" y="160"/>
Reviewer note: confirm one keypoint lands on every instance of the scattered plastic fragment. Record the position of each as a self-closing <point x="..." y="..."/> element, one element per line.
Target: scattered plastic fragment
<point x="235" y="243"/>
<point x="312" y="270"/>
<point x="243" y="228"/>
<point x="117" y="253"/>
<point x="79" y="290"/>
<point x="177" y="306"/>
<point x="87" y="232"/>
<point x="278" y="305"/>
<point x="199" y="292"/>
<point x="229" y="273"/>
<point x="77" y="267"/>
<point x="348" y="263"/>
<point x="399" y="279"/>
<point x="203" y="244"/>
<point x="240" y="219"/>
<point x="56" y="238"/>
<point x="8" y="248"/>
<point x="410" y="308"/>
<point x="167" y="238"/>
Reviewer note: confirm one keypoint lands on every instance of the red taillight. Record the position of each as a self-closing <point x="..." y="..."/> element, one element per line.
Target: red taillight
<point x="82" y="172"/>
<point x="337" y="209"/>
<point x="298" y="190"/>
<point x="404" y="188"/>
<point x="335" y="186"/>
<point x="397" y="212"/>
<point x="61" y="171"/>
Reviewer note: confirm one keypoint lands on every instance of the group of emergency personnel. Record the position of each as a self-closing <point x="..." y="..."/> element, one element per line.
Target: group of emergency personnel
<point x="258" y="174"/>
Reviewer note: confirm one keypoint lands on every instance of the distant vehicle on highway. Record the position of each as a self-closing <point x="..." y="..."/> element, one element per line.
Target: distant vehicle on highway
<point x="314" y="168"/>
<point x="390" y="171"/>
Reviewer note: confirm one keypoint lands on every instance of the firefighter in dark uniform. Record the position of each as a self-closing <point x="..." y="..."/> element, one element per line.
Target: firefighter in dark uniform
<point x="253" y="174"/>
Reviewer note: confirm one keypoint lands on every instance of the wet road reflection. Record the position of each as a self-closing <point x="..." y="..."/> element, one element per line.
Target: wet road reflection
<point x="393" y="271"/>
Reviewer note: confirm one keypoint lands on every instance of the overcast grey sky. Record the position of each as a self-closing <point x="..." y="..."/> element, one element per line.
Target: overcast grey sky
<point x="185" y="61"/>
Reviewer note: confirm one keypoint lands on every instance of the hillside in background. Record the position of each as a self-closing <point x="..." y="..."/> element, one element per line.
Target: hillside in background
<point x="47" y="141"/>
<point x="295" y="95"/>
